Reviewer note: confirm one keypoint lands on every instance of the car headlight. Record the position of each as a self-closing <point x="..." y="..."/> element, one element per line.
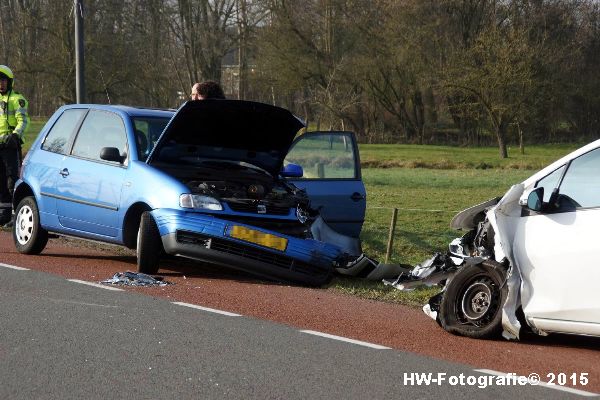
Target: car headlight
<point x="199" y="202"/>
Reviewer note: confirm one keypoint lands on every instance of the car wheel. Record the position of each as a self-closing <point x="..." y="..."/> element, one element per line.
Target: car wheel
<point x="28" y="234"/>
<point x="472" y="303"/>
<point x="149" y="245"/>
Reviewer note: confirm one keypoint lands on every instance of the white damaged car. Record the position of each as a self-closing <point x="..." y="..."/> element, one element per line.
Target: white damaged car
<point x="529" y="260"/>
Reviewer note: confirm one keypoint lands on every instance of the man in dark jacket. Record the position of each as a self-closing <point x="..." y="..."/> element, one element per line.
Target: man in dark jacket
<point x="207" y="90"/>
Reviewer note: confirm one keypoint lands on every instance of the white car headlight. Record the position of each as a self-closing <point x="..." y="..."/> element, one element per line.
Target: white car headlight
<point x="199" y="202"/>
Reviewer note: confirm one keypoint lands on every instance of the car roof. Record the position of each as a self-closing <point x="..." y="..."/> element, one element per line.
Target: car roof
<point x="129" y="110"/>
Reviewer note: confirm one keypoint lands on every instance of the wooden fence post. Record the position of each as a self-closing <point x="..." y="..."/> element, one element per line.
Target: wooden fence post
<point x="388" y="253"/>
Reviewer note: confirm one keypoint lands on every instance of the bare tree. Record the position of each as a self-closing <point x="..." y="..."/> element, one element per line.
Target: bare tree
<point x="205" y="31"/>
<point x="500" y="72"/>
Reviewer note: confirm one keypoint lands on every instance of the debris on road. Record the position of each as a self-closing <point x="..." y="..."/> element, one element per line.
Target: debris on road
<point x="129" y="278"/>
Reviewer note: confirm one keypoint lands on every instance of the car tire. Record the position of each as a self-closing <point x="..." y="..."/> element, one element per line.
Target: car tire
<point x="472" y="302"/>
<point x="149" y="245"/>
<point x="28" y="234"/>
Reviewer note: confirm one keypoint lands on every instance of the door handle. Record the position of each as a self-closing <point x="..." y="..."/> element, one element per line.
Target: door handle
<point x="64" y="172"/>
<point x="357" y="196"/>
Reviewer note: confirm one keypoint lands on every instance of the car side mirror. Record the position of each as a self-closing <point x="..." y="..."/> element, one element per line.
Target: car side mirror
<point x="535" y="199"/>
<point x="111" y="154"/>
<point x="292" y="171"/>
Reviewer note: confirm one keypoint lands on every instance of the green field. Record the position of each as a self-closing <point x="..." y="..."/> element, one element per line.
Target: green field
<point x="428" y="185"/>
<point x="426" y="200"/>
<point x="445" y="157"/>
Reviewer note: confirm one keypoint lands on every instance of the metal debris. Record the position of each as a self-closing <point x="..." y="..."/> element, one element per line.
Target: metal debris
<point x="135" y="279"/>
<point x="431" y="272"/>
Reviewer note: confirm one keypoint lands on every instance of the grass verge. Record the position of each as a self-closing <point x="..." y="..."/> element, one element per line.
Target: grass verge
<point x="378" y="291"/>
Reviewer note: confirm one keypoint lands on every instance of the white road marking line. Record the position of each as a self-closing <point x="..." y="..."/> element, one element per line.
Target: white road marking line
<point x="212" y="310"/>
<point x="79" y="303"/>
<point x="14" y="267"/>
<point x="98" y="285"/>
<point x="542" y="384"/>
<point x="343" y="339"/>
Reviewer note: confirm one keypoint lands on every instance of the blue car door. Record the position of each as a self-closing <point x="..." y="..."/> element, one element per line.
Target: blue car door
<point x="331" y="177"/>
<point x="89" y="188"/>
<point x="44" y="166"/>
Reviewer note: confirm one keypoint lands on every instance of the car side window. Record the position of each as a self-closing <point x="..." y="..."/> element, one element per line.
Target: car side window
<point x="580" y="187"/>
<point x="550" y="182"/>
<point x="60" y="133"/>
<point x="100" y="129"/>
<point x="324" y="156"/>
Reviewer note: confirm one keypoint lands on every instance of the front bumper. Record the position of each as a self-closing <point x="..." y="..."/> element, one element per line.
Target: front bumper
<point x="207" y="238"/>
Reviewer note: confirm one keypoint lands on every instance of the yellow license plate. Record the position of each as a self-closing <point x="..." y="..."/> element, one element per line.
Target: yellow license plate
<point x="257" y="237"/>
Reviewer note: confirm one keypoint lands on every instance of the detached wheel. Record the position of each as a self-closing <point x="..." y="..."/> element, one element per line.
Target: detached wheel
<point x="149" y="245"/>
<point x="28" y="234"/>
<point x="472" y="303"/>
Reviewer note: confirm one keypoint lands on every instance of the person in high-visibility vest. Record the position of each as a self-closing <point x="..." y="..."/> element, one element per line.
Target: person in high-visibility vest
<point x="14" y="122"/>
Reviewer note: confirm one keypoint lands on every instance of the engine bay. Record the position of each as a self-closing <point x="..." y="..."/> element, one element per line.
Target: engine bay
<point x="251" y="190"/>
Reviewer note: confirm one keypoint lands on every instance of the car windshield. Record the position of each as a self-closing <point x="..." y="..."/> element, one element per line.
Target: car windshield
<point x="147" y="132"/>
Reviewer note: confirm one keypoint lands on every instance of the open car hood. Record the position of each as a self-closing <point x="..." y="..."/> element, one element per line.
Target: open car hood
<point x="234" y="130"/>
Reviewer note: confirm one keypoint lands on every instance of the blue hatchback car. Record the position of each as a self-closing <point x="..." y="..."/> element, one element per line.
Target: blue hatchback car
<point x="221" y="181"/>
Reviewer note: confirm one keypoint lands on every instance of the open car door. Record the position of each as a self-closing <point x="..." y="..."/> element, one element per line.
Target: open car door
<point x="332" y="178"/>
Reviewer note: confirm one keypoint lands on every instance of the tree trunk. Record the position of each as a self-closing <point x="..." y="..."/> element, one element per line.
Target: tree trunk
<point x="501" y="134"/>
<point x="521" y="145"/>
<point x="419" y="115"/>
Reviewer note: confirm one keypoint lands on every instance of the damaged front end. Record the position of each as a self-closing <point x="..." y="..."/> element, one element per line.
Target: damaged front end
<point x="246" y="194"/>
<point x="470" y="249"/>
<point x="244" y="204"/>
<point x="266" y="209"/>
<point x="480" y="286"/>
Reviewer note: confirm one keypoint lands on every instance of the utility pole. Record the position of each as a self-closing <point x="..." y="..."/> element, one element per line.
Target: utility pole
<point x="79" y="62"/>
<point x="242" y="22"/>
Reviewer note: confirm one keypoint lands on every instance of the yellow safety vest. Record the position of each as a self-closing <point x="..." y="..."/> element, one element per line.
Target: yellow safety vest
<point x="13" y="115"/>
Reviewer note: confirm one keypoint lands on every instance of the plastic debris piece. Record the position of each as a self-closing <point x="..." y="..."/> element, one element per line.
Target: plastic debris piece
<point x="365" y="267"/>
<point x="429" y="312"/>
<point x="430" y="265"/>
<point x="129" y="278"/>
